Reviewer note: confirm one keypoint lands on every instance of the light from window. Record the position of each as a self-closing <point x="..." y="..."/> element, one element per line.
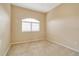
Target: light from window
<point x="35" y="27"/>
<point x="26" y="27"/>
<point x="30" y="25"/>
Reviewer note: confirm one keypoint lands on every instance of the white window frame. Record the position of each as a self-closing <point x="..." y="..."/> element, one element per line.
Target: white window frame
<point x="31" y="22"/>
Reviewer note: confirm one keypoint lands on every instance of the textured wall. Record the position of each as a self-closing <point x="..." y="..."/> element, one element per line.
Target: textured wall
<point x="63" y="25"/>
<point x="18" y="14"/>
<point x="4" y="28"/>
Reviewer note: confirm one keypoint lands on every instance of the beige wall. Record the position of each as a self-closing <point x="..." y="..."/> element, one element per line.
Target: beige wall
<point x="4" y="28"/>
<point x="18" y="14"/>
<point x="63" y="25"/>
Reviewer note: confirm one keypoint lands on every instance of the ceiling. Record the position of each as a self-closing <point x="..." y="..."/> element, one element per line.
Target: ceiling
<point x="41" y="7"/>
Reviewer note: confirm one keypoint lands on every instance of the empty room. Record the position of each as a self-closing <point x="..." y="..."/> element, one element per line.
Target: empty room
<point x="39" y="29"/>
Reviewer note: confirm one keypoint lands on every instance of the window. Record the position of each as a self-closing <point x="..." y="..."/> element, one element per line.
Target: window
<point x="30" y="25"/>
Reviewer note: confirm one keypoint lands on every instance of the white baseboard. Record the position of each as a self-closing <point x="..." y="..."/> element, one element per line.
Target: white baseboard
<point x="76" y="50"/>
<point x="7" y="50"/>
<point x="24" y="42"/>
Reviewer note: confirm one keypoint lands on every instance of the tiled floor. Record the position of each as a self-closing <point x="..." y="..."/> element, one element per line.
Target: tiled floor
<point x="40" y="48"/>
